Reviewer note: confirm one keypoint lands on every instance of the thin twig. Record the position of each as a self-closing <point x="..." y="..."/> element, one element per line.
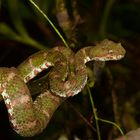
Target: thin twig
<point x="81" y="116"/>
<point x="95" y="114"/>
<point x="50" y="22"/>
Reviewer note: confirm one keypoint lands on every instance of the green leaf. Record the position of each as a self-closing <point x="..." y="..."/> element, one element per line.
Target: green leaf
<point x="7" y="31"/>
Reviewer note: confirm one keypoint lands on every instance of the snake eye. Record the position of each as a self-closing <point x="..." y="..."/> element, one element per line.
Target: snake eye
<point x="110" y="51"/>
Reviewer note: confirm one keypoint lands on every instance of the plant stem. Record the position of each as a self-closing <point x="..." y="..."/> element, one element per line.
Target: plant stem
<point x="53" y="26"/>
<point x="110" y="122"/>
<point x="99" y="119"/>
<point x="95" y="113"/>
<point x="105" y="16"/>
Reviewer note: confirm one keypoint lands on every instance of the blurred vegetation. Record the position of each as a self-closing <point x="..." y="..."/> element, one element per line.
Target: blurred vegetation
<point x="116" y="92"/>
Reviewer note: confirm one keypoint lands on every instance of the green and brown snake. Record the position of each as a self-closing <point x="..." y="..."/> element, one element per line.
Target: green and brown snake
<point x="67" y="78"/>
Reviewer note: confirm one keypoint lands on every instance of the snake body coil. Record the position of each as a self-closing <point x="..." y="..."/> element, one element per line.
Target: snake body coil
<point x="77" y="75"/>
<point x="67" y="78"/>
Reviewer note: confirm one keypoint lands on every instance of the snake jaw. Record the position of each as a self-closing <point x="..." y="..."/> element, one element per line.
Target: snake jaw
<point x="107" y="50"/>
<point x="110" y="57"/>
<point x="115" y="54"/>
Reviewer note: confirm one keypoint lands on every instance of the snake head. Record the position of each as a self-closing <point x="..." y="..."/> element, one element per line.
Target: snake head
<point x="108" y="50"/>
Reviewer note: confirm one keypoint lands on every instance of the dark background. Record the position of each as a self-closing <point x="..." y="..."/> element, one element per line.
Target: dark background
<point x="116" y="93"/>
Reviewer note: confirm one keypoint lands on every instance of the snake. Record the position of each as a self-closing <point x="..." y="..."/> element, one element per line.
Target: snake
<point x="67" y="77"/>
<point x="106" y="50"/>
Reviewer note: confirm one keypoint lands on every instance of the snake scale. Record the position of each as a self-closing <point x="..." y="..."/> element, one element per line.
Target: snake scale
<point x="67" y="78"/>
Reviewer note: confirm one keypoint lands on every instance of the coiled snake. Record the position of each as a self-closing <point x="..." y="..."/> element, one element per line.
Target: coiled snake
<point x="67" y="78"/>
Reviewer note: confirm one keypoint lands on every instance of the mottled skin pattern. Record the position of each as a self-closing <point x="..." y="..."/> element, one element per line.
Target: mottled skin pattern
<point x="41" y="61"/>
<point x="27" y="117"/>
<point x="67" y="78"/>
<point x="77" y="77"/>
